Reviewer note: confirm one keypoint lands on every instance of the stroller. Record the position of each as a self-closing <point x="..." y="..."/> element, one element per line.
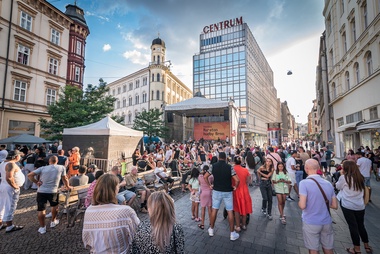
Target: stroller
<point x="142" y="165"/>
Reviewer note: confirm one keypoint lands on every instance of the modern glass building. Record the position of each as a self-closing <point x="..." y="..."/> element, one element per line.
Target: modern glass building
<point x="231" y="66"/>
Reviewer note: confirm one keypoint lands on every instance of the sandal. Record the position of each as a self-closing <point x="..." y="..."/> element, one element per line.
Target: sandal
<point x="15" y="228"/>
<point x="198" y="219"/>
<point x="368" y="249"/>
<point x="352" y="251"/>
<point x="244" y="227"/>
<point x="237" y="229"/>
<point x="201" y="226"/>
<point x="283" y="221"/>
<point x="192" y="217"/>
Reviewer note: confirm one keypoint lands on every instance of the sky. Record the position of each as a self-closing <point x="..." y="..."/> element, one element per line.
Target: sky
<point x="121" y="33"/>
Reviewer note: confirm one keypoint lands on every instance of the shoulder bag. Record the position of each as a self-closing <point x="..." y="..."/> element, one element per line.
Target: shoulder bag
<point x="323" y="193"/>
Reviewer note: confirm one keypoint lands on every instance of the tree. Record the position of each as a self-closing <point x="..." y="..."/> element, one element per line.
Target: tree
<point x="150" y="123"/>
<point x="77" y="108"/>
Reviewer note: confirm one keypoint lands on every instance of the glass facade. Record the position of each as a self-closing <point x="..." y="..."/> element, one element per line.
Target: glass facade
<point x="230" y="65"/>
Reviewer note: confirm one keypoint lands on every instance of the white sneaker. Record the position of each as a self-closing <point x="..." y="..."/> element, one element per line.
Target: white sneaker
<point x="234" y="236"/>
<point x="54" y="223"/>
<point x="48" y="215"/>
<point x="42" y="230"/>
<point x="210" y="231"/>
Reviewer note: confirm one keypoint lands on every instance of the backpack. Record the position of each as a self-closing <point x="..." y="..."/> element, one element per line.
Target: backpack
<point x="328" y="155"/>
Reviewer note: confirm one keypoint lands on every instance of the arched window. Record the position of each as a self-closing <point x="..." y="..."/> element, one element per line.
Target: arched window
<point x="347" y="79"/>
<point x="137" y="97"/>
<point x="158" y="77"/>
<point x="152" y="77"/>
<point x="124" y="102"/>
<point x="333" y="90"/>
<point x="118" y="103"/>
<point x="144" y="96"/>
<point x="130" y="101"/>
<point x="136" y="113"/>
<point x="357" y="73"/>
<point x="152" y="95"/>
<point x="369" y="63"/>
<point x="158" y="59"/>
<point x="154" y="58"/>
<point x="129" y="117"/>
<point x="163" y="95"/>
<point x="158" y="95"/>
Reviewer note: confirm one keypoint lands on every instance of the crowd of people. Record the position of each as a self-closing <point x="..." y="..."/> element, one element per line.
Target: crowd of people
<point x="212" y="172"/>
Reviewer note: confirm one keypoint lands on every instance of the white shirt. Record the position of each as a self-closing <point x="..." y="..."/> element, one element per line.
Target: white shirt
<point x="350" y="198"/>
<point x="161" y="172"/>
<point x="168" y="155"/>
<point x="365" y="166"/>
<point x="289" y="163"/>
<point x="3" y="155"/>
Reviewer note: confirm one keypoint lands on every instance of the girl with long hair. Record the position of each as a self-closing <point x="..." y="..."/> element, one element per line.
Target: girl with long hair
<point x="205" y="195"/>
<point x="250" y="165"/>
<point x="351" y="186"/>
<point x="194" y="195"/>
<point x="118" y="223"/>
<point x="161" y="234"/>
<point x="281" y="181"/>
<point x="265" y="173"/>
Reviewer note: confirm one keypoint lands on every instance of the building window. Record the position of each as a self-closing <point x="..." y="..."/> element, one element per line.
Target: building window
<point x="130" y="86"/>
<point x="20" y="91"/>
<point x="353" y="30"/>
<point x="136" y="113"/>
<point x="158" y="77"/>
<point x="347" y="78"/>
<point x="144" y="97"/>
<point x="124" y="102"/>
<point x="124" y="88"/>
<point x="137" y="83"/>
<point x="26" y="21"/>
<point x="369" y="63"/>
<point x="51" y="96"/>
<point x="77" y="74"/>
<point x="118" y="103"/>
<point x="152" y="77"/>
<point x="365" y="15"/>
<point x="119" y="90"/>
<point x="130" y="101"/>
<point x="344" y="40"/>
<point x="152" y="95"/>
<point x="23" y="54"/>
<point x="355" y="117"/>
<point x="19" y="127"/>
<point x="340" y="121"/>
<point x="137" y="98"/>
<point x="333" y="89"/>
<point x="113" y="92"/>
<point x="373" y="113"/>
<point x="55" y="35"/>
<point x="342" y="6"/>
<point x="158" y="59"/>
<point x="129" y="117"/>
<point x="158" y="95"/>
<point x="331" y="57"/>
<point x="145" y="81"/>
<point x="328" y="25"/>
<point x="357" y="73"/>
<point x="79" y="48"/>
<point x="53" y="66"/>
<point x="163" y="96"/>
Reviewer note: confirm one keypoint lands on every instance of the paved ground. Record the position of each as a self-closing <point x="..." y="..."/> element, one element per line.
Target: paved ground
<point x="262" y="235"/>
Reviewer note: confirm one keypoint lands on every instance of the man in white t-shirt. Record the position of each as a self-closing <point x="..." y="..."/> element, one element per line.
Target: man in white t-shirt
<point x="163" y="177"/>
<point x="365" y="166"/>
<point x="291" y="168"/>
<point x="168" y="155"/>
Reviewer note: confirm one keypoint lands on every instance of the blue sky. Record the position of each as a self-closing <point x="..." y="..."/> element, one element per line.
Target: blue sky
<point x="122" y="31"/>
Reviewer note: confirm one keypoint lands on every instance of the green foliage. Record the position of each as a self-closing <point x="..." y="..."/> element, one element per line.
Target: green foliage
<point x="77" y="108"/>
<point x="151" y="123"/>
<point x="118" y="119"/>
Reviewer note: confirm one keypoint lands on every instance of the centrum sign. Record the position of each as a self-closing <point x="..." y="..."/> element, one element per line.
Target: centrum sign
<point x="223" y="25"/>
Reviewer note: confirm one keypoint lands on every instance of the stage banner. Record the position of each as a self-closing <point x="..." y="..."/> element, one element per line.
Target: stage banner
<point x="211" y="131"/>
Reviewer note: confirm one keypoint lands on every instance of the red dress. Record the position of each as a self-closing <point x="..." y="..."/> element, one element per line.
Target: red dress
<point x="242" y="198"/>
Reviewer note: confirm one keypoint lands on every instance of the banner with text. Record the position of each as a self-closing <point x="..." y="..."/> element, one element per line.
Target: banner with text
<point x="211" y="131"/>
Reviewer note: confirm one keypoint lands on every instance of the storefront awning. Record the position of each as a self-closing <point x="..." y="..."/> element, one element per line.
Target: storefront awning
<point x="366" y="126"/>
<point x="347" y="126"/>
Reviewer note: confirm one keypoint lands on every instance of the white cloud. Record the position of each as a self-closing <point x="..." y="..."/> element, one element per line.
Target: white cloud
<point x="119" y="26"/>
<point x="98" y="16"/>
<point x="134" y="40"/>
<point x="137" y="57"/>
<point x="106" y="47"/>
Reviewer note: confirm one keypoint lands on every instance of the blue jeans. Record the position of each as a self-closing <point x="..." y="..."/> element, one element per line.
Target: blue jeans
<point x="299" y="177"/>
<point x="125" y="196"/>
<point x="226" y="197"/>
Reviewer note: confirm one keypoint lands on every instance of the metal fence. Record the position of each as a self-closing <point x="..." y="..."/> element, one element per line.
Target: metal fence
<point x="105" y="164"/>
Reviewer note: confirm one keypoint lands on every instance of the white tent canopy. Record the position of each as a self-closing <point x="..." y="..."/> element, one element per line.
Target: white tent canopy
<point x="197" y="103"/>
<point x="106" y="126"/>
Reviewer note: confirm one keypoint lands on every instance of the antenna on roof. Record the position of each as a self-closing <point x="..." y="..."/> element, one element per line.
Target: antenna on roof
<point x="158" y="34"/>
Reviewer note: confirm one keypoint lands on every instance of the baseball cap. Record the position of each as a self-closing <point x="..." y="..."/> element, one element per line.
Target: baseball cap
<point x="93" y="166"/>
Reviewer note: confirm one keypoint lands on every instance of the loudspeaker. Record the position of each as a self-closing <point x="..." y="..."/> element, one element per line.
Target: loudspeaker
<point x="169" y="117"/>
<point x="226" y="115"/>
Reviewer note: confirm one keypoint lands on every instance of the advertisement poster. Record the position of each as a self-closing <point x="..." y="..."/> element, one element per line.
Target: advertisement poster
<point x="211" y="131"/>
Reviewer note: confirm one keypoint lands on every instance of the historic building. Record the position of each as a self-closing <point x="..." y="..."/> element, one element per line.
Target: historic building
<point x="41" y="50"/>
<point x="231" y="65"/>
<point x="154" y="86"/>
<point x="349" y="98"/>
<point x="288" y="123"/>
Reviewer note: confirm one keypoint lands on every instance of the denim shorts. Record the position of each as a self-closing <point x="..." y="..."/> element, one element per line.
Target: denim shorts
<point x="226" y="197"/>
<point x="367" y="181"/>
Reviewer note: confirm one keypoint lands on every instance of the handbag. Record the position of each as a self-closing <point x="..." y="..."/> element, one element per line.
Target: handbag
<point x="323" y="193"/>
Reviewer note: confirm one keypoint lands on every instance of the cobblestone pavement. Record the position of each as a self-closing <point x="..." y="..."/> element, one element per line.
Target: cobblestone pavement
<point x="262" y="235"/>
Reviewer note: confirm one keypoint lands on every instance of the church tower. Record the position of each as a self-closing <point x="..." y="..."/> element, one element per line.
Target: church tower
<point x="158" y="69"/>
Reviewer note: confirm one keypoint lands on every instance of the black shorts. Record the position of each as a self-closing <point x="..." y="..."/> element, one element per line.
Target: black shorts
<point x="168" y="180"/>
<point x="43" y="198"/>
